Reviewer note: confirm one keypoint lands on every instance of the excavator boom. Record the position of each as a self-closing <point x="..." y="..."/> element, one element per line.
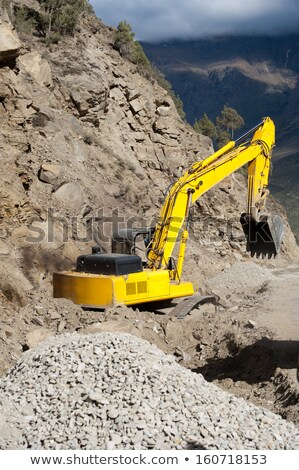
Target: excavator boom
<point x="263" y="234"/>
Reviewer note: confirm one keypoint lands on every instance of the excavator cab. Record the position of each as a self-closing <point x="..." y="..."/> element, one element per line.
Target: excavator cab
<point x="264" y="237"/>
<point x="125" y="241"/>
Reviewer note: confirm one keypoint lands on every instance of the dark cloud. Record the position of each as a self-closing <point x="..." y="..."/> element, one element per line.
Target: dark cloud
<point x="156" y="20"/>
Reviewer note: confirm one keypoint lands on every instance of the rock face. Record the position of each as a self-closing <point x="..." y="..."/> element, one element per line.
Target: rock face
<point x="87" y="141"/>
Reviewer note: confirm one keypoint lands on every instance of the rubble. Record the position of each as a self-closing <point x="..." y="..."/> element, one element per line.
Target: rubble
<point x="109" y="391"/>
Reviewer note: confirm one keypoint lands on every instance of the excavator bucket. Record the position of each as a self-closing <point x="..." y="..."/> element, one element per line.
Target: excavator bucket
<point x="264" y="237"/>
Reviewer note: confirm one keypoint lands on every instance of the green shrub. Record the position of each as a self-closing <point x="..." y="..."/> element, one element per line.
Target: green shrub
<point x="53" y="38"/>
<point x="124" y="39"/>
<point x="128" y="48"/>
<point x="60" y="16"/>
<point x="56" y="18"/>
<point x="205" y="126"/>
<point x="228" y="121"/>
<point x="222" y="138"/>
<point x="139" y="56"/>
<point x="24" y="21"/>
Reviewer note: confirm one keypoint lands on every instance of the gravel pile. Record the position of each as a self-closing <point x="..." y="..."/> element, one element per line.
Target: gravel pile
<point x="241" y="277"/>
<point x="107" y="391"/>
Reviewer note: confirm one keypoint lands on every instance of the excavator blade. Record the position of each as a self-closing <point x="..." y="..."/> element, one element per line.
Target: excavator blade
<point x="264" y="237"/>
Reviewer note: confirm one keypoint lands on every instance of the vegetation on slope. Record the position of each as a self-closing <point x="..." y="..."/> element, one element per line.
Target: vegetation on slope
<point x="223" y="131"/>
<point x="55" y="18"/>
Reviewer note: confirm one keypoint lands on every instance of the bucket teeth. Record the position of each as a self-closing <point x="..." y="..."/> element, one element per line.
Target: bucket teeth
<point x="264" y="238"/>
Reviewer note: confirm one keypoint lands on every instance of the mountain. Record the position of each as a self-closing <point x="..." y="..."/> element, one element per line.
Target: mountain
<point x="258" y="76"/>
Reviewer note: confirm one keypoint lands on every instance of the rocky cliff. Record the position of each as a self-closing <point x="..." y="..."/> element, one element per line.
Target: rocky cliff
<point x="85" y="140"/>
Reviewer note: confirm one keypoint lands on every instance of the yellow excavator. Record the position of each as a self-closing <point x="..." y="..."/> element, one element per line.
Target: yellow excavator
<point x="103" y="279"/>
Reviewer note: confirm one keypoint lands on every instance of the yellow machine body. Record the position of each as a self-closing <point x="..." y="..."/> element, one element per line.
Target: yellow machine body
<point x="101" y="291"/>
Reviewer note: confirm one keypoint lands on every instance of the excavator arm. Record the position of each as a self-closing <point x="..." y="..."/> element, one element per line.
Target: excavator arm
<point x="200" y="178"/>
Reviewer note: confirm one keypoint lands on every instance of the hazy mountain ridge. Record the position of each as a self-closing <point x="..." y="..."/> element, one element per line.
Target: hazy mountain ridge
<point x="258" y="76"/>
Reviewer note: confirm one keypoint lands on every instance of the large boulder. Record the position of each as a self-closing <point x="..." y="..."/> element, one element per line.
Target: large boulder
<point x="49" y="173"/>
<point x="37" y="67"/>
<point x="71" y="194"/>
<point x="9" y="43"/>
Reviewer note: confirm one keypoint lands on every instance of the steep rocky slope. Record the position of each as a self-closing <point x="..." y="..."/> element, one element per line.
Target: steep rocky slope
<point x="86" y="140"/>
<point x="81" y="131"/>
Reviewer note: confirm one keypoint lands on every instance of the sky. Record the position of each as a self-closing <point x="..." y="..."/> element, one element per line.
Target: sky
<point x="162" y="20"/>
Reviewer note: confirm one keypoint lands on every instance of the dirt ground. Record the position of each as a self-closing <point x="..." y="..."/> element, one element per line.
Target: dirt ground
<point x="246" y="344"/>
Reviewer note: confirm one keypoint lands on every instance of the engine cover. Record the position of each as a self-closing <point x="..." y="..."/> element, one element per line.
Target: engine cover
<point x="109" y="263"/>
